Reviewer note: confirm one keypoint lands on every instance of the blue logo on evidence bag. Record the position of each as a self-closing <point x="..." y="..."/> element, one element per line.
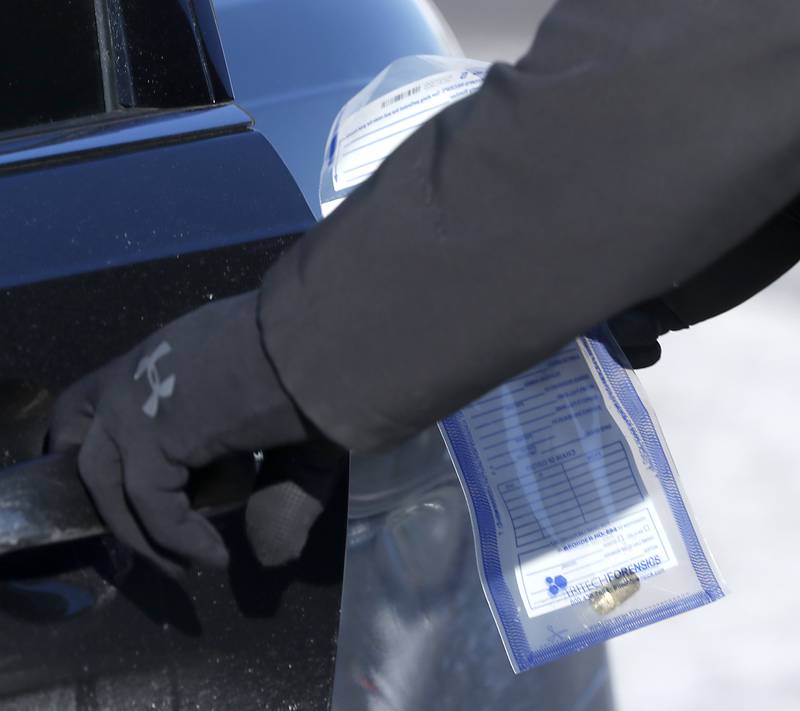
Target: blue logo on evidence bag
<point x="556" y="585"/>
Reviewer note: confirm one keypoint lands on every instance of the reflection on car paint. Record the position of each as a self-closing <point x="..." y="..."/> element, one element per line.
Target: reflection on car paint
<point x="44" y="601"/>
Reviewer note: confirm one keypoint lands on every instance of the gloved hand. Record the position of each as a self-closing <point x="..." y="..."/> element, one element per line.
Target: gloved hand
<point x="200" y="388"/>
<point x="296" y="486"/>
<point x="637" y="331"/>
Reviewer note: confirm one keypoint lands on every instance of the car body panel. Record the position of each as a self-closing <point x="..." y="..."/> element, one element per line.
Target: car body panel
<point x="113" y="228"/>
<point x="140" y="203"/>
<point x="107" y="246"/>
<point x="293" y="65"/>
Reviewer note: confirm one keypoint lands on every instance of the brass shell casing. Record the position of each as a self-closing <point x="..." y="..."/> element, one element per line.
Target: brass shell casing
<point x="614" y="593"/>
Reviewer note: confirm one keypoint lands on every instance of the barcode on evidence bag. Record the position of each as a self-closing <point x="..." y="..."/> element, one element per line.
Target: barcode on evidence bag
<point x="401" y="95"/>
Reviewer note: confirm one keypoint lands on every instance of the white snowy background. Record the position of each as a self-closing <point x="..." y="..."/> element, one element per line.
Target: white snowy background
<point x="725" y="395"/>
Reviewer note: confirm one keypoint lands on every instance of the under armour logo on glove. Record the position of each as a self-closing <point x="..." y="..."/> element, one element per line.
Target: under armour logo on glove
<point x="160" y="390"/>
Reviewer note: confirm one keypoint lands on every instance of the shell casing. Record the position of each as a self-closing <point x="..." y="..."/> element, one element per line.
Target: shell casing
<point x="614" y="593"/>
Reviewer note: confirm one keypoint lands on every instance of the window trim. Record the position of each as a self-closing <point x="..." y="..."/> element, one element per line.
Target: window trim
<point x="127" y="129"/>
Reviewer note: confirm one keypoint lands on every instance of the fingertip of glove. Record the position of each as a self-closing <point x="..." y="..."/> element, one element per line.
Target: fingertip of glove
<point x="172" y="570"/>
<point x="276" y="553"/>
<point x="278" y="521"/>
<point x="67" y="429"/>
<point x="216" y="557"/>
<point x="209" y="550"/>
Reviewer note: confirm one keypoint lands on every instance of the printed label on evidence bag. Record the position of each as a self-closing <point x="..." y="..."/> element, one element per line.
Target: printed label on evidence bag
<point x="571" y="501"/>
<point x="365" y="138"/>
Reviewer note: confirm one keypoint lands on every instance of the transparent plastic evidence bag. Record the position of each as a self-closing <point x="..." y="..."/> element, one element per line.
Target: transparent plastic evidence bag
<point x="581" y="529"/>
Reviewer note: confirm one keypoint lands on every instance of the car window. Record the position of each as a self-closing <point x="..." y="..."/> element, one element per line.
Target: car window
<point x="63" y="60"/>
<point x="49" y="62"/>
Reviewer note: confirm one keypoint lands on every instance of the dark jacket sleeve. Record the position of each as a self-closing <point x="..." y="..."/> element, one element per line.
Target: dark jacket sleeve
<point x="734" y="278"/>
<point x="631" y="148"/>
<point x="741" y="273"/>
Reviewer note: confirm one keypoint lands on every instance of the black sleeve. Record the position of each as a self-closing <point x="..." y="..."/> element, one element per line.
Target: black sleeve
<point x="632" y="147"/>
<point x="742" y="272"/>
<point x="731" y="280"/>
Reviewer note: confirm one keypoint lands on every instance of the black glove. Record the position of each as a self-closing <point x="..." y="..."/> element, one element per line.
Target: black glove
<point x="637" y="331"/>
<point x="200" y="388"/>
<point x="296" y="487"/>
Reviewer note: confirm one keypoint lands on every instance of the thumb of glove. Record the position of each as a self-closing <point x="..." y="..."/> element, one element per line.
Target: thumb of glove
<point x="299" y="483"/>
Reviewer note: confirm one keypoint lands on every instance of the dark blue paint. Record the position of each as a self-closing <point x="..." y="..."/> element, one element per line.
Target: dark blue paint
<point x="294" y="63"/>
<point x="68" y="600"/>
<point x="215" y="54"/>
<point x="69" y="218"/>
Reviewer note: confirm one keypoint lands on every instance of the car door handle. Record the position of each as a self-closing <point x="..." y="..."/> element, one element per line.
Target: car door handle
<point x="43" y="501"/>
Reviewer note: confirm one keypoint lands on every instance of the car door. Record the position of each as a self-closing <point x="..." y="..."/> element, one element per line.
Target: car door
<point x="133" y="188"/>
